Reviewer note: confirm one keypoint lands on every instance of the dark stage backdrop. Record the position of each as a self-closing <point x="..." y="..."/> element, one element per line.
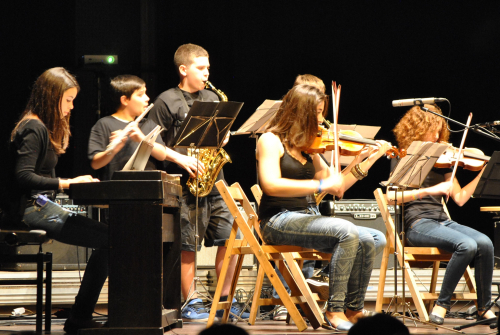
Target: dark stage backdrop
<point x="377" y="51"/>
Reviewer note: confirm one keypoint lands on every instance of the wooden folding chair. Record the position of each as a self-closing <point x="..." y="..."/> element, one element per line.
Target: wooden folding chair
<point x="300" y="291"/>
<point x="417" y="257"/>
<point x="300" y="257"/>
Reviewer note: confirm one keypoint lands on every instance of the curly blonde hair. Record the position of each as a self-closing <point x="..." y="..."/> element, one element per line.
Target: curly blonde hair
<point x="416" y="123"/>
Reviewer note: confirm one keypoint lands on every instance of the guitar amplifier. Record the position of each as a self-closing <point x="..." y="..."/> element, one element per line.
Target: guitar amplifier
<point x="361" y="212"/>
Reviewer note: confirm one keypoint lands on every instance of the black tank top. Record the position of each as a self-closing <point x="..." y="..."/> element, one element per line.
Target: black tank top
<point x="291" y="169"/>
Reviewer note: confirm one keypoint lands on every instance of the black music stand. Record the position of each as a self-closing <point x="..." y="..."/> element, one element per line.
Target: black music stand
<point x="257" y="123"/>
<point x="410" y="172"/>
<point x="488" y="187"/>
<point x="205" y="127"/>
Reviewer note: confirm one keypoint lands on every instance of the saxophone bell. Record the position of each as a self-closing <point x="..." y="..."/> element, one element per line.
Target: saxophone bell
<point x="212" y="159"/>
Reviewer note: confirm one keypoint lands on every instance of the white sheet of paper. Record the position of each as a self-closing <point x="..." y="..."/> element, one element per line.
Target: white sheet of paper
<point x="141" y="155"/>
<point x="259" y="118"/>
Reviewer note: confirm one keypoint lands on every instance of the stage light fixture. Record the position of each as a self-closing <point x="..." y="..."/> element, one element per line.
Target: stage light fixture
<point x="102" y="59"/>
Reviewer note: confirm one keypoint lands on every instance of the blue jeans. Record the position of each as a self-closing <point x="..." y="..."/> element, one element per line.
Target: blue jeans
<point x="332" y="235"/>
<point x="466" y="244"/>
<point x="68" y="227"/>
<point x="359" y="280"/>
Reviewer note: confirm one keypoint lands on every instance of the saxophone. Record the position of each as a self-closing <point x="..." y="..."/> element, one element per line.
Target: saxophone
<point x="212" y="159"/>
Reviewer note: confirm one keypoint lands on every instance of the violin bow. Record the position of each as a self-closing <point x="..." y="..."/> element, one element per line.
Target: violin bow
<point x="460" y="149"/>
<point x="335" y="105"/>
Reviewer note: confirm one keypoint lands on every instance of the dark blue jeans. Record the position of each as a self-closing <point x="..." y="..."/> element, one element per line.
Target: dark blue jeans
<point x="466" y="244"/>
<point x="332" y="235"/>
<point x="67" y="227"/>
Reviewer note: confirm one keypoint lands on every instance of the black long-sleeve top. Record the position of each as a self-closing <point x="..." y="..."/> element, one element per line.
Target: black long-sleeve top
<point x="31" y="147"/>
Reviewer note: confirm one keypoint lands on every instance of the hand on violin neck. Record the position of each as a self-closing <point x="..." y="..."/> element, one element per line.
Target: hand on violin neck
<point x="381" y="149"/>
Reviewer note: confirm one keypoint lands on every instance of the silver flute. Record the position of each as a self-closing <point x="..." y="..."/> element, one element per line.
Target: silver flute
<point x="112" y="145"/>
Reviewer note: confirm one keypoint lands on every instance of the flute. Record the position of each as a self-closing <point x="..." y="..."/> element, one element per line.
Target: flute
<point x="126" y="131"/>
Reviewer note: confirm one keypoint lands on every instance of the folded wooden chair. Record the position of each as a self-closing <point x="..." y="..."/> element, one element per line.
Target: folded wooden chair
<point x="249" y="245"/>
<point x="416" y="257"/>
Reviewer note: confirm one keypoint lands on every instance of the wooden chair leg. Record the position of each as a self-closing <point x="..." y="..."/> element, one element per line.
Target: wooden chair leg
<point x="415" y="293"/>
<point x="382" y="276"/>
<point x="310" y="307"/>
<point x="222" y="276"/>
<point x="256" y="296"/>
<point x="432" y="288"/>
<point x="234" y="283"/>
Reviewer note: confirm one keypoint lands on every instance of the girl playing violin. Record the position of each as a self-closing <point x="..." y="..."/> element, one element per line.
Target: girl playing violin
<point x="427" y="224"/>
<point x="287" y="175"/>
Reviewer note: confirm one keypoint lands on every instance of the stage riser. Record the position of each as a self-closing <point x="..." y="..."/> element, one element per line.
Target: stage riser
<point x="66" y="283"/>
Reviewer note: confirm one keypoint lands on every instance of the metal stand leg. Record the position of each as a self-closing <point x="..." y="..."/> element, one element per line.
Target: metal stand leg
<point x="196" y="242"/>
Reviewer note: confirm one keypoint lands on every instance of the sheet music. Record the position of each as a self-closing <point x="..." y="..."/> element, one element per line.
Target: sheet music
<point x="416" y="165"/>
<point x="141" y="155"/>
<point x="259" y="119"/>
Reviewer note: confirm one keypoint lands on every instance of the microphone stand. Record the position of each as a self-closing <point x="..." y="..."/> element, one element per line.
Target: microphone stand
<point x="475" y="128"/>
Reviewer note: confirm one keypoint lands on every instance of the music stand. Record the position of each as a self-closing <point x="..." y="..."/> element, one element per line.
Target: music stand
<point x="410" y="172"/>
<point x="205" y="127"/>
<point x="257" y="123"/>
<point x="488" y="187"/>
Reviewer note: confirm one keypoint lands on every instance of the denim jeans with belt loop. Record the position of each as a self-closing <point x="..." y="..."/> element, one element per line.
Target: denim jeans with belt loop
<point x="331" y="235"/>
<point x="466" y="244"/>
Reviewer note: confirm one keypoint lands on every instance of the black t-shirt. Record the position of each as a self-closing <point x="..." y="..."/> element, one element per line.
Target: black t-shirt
<point x="292" y="169"/>
<point x="429" y="207"/>
<point x="169" y="111"/>
<point x="99" y="140"/>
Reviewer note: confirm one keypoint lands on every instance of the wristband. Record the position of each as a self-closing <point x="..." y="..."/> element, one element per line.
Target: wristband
<point x="320" y="187"/>
<point x="356" y="174"/>
<point x="413" y="195"/>
<point x="61" y="189"/>
<point x="360" y="171"/>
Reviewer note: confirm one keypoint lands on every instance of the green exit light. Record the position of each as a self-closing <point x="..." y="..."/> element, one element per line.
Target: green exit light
<point x="102" y="59"/>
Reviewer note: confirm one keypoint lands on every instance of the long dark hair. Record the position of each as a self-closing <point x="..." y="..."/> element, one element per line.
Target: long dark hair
<point x="296" y="121"/>
<point x="45" y="102"/>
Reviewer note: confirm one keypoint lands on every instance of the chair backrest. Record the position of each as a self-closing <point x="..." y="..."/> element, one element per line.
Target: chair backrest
<point x="386" y="216"/>
<point x="234" y="193"/>
<point x="257" y="193"/>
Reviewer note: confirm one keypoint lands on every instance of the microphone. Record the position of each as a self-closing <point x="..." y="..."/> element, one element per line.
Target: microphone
<point x="488" y="124"/>
<point x="416" y="101"/>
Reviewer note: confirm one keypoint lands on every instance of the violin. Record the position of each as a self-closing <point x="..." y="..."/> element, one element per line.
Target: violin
<point x="350" y="143"/>
<point x="472" y="159"/>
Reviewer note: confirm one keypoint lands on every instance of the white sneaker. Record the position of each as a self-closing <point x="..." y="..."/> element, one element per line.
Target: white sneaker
<point x="280" y="314"/>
